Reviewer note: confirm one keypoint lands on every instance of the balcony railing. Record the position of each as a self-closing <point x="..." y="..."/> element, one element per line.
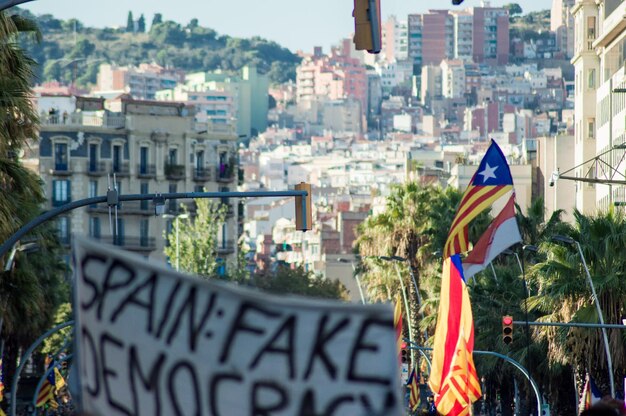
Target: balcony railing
<point x="95" y="168"/>
<point x="201" y="174"/>
<point x="121" y="168"/>
<point x="130" y="243"/>
<point x="225" y="172"/>
<point x="174" y="172"/>
<point x="90" y="119"/>
<point x="146" y="171"/>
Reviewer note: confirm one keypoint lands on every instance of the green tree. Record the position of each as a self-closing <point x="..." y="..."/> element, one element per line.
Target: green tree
<point x="32" y="288"/>
<point x="563" y="295"/>
<point x="130" y="23"/>
<point x="141" y="24"/>
<point x="197" y="238"/>
<point x="298" y="282"/>
<point x="513" y="9"/>
<point x="157" y="19"/>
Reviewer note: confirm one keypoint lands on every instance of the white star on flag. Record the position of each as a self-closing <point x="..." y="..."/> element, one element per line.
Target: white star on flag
<point x="489" y="172"/>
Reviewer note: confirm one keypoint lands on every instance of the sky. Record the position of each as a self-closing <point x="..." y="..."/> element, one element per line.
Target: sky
<point x="295" y="24"/>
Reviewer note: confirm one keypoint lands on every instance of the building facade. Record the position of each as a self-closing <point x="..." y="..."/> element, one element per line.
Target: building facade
<point x="138" y="147"/>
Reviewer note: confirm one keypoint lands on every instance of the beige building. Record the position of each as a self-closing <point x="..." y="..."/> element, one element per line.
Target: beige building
<point x="600" y="103"/>
<point x="148" y="147"/>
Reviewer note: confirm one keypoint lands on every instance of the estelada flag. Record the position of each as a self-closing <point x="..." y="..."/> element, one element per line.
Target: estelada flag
<point x="491" y="181"/>
<point x="453" y="377"/>
<point x="501" y="234"/>
<point x="414" y="391"/>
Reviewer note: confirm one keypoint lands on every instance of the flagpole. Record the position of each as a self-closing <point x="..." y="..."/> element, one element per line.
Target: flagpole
<point x="408" y="312"/>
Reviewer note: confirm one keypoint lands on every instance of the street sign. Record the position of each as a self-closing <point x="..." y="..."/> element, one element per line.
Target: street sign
<point x="151" y="341"/>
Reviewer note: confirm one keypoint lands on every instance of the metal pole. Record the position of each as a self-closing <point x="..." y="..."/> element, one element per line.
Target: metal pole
<point x="358" y="283"/>
<point x="408" y="311"/>
<point x="609" y="360"/>
<point x="517" y="365"/>
<point x="526" y="294"/>
<point x="572" y="324"/>
<point x="177" y="247"/>
<point x="6" y="246"/>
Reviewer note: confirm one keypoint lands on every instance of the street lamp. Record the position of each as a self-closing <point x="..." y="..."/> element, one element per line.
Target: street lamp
<point x="176" y="218"/>
<point x="406" y="302"/>
<point x="569" y="240"/>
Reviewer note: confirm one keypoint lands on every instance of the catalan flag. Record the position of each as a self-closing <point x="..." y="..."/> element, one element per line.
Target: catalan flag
<point x="491" y="181"/>
<point x="591" y="394"/>
<point x="397" y="323"/>
<point x="414" y="391"/>
<point x="453" y="376"/>
<point x="46" y="392"/>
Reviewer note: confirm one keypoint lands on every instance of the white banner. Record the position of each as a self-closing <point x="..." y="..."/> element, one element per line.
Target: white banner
<point x="155" y="342"/>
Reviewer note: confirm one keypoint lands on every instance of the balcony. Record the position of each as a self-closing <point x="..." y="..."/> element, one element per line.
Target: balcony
<point x="130" y="243"/>
<point x="225" y="172"/>
<point x="145" y="171"/>
<point x="226" y="247"/>
<point x="201" y="175"/>
<point x="120" y="168"/>
<point x="174" y="172"/>
<point x="95" y="168"/>
<point x="89" y="119"/>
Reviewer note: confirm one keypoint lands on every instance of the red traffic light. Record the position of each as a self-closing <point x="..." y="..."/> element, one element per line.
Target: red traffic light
<point x="507" y="329"/>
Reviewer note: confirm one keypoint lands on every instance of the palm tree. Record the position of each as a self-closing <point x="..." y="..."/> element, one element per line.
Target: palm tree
<point x="31" y="291"/>
<point x="564" y="295"/>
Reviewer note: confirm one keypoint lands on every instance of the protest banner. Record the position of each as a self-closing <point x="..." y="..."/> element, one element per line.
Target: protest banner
<point x="151" y="341"/>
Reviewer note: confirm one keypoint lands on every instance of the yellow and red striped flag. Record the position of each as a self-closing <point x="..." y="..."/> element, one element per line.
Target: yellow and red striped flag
<point x="414" y="391"/>
<point x="397" y="323"/>
<point x="491" y="180"/>
<point x="453" y="377"/>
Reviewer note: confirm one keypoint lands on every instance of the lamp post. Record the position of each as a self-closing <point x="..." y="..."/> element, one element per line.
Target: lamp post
<point x="417" y="291"/>
<point x="176" y="218"/>
<point x="609" y="360"/>
<point x="406" y="302"/>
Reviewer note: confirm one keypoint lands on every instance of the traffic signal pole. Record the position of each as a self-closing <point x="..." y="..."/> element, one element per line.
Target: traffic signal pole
<point x="8" y="244"/>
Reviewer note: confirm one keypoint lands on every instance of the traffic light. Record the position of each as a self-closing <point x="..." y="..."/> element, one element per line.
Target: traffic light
<point x="507" y="329"/>
<point x="304" y="219"/>
<point x="456" y="2"/>
<point x="405" y="356"/>
<point x="367" y="30"/>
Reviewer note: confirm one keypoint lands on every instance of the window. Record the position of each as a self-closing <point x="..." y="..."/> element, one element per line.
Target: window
<point x="591" y="127"/>
<point x="60" y="157"/>
<point x="143" y="233"/>
<point x="63" y="229"/>
<point x="199" y="161"/>
<point x="591" y="79"/>
<point x="93" y="191"/>
<point x="173" y="157"/>
<point x="61" y="192"/>
<point x="93" y="157"/>
<point x="143" y="160"/>
<point x="94" y="227"/>
<point x="117" y="158"/>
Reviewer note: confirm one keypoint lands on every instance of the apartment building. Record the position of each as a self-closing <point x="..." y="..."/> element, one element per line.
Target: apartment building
<point x="395" y="39"/>
<point x="225" y="99"/>
<point x="141" y="82"/>
<point x="139" y="147"/>
<point x="562" y="24"/>
<point x="336" y="76"/>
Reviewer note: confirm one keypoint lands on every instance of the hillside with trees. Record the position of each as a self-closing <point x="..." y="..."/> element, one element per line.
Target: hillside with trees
<point x="72" y="52"/>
